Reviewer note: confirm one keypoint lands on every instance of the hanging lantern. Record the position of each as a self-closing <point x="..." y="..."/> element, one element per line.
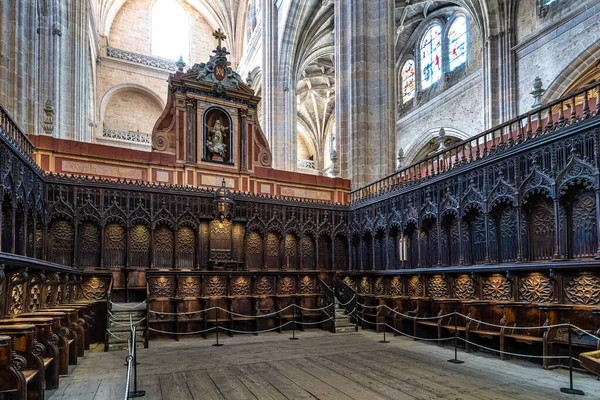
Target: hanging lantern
<point x="223" y="203"/>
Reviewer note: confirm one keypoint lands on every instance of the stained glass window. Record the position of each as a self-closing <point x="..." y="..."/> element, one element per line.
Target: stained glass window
<point x="457" y="43"/>
<point x="408" y="81"/>
<point x="431" y="56"/>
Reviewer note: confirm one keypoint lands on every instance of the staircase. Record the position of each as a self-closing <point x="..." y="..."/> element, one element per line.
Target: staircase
<point x="342" y="321"/>
<point x="118" y="325"/>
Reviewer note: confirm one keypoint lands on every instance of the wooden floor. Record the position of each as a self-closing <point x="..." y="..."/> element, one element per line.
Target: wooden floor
<point x="320" y="365"/>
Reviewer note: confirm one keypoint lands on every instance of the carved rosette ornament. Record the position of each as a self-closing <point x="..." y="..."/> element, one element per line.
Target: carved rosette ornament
<point x="437" y="287"/>
<point x="583" y="289"/>
<point x="286" y="285"/>
<point x="536" y="289"/>
<point x="379" y="288"/>
<point x="189" y="286"/>
<point x="240" y="286"/>
<point x="307" y="285"/>
<point x="264" y="286"/>
<point x="396" y="286"/>
<point x="464" y="287"/>
<point x="496" y="287"/>
<point x="93" y="289"/>
<point x="364" y="287"/>
<point x="415" y="286"/>
<point x="162" y="286"/>
<point x="215" y="286"/>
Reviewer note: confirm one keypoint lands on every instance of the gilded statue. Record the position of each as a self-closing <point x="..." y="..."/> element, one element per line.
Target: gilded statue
<point x="216" y="139"/>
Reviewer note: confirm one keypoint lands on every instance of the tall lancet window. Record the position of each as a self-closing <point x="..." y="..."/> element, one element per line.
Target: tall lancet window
<point x="457" y="43"/>
<point x="431" y="56"/>
<point x="408" y="81"/>
<point x="170" y="30"/>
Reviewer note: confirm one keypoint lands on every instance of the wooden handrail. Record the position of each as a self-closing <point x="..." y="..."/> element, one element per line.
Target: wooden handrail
<point x="492" y="141"/>
<point x="15" y="133"/>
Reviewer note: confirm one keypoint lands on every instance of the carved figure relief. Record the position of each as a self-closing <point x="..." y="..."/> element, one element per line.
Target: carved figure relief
<point x="464" y="287"/>
<point x="16" y="300"/>
<point x="162" y="286"/>
<point x="496" y="287"/>
<point x="216" y="286"/>
<point x="536" y="289"/>
<point x="437" y="287"/>
<point x="583" y="289"/>
<point x="415" y="287"/>
<point x="350" y="282"/>
<point x="379" y="287"/>
<point x="218" y="136"/>
<point x="364" y="287"/>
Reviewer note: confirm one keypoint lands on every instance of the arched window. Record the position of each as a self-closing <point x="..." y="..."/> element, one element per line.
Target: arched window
<point x="170" y="30"/>
<point x="457" y="43"/>
<point x="431" y="56"/>
<point x="408" y="81"/>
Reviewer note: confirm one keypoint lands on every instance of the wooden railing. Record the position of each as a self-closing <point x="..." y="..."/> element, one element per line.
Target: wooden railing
<point x="547" y="119"/>
<point x="10" y="128"/>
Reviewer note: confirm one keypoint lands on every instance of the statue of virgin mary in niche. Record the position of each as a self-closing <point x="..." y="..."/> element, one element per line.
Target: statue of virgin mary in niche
<point x="216" y="141"/>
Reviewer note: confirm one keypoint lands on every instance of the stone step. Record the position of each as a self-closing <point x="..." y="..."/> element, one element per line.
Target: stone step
<point x="121" y="328"/>
<point x="345" y="329"/>
<point x="119" y="307"/>
<point x="123" y="346"/>
<point x="344" y="324"/>
<point x="122" y="337"/>
<point x="125" y="317"/>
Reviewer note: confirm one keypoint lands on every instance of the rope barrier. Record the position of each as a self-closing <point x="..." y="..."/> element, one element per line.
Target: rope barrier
<point x="348" y="302"/>
<point x="419" y="338"/>
<point x="314" y="323"/>
<point x="513" y="327"/>
<point x="513" y="354"/>
<point x="242" y="315"/>
<point x="587" y="333"/>
<point x="127" y="306"/>
<point x="126" y="324"/>
<point x="254" y="332"/>
<point x="256" y="316"/>
<point x="182" y="313"/>
<point x="183" y="333"/>
<point x="115" y="336"/>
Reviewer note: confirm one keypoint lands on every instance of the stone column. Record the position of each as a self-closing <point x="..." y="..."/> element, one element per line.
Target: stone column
<point x="365" y="88"/>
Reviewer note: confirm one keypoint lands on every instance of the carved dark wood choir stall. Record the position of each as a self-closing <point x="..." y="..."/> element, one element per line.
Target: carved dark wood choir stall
<point x="503" y="228"/>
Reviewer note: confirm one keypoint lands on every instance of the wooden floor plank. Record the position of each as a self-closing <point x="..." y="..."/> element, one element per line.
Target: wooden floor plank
<point x="82" y="390"/>
<point x="257" y="384"/>
<point x="151" y="385"/>
<point x="284" y="385"/>
<point x="111" y="390"/>
<point x="229" y="385"/>
<point x="174" y="386"/>
<point x="202" y="386"/>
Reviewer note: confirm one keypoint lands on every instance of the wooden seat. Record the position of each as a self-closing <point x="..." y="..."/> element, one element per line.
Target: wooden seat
<point x="525" y="338"/>
<point x="32" y="370"/>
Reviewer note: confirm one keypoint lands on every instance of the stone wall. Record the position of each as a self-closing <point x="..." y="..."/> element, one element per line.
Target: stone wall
<point x="548" y="46"/>
<point x="132" y="111"/>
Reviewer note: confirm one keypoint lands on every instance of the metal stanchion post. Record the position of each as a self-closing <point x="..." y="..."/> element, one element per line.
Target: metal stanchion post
<point x="455" y="360"/>
<point x="136" y="392"/>
<point x="294" y="324"/>
<point x="217" y="326"/>
<point x="570" y="389"/>
<point x="384" y="329"/>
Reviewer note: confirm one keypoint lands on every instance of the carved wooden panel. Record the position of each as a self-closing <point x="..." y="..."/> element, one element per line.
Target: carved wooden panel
<point x="415" y="286"/>
<point x="94" y="288"/>
<point x="186" y="247"/>
<point x="272" y="251"/>
<point x="396" y="287"/>
<point x="583" y="289"/>
<point x="240" y="286"/>
<point x="464" y="287"/>
<point x="307" y="243"/>
<point x="584" y="230"/>
<point x="541" y="231"/>
<point x="292" y="258"/>
<point x="364" y="287"/>
<point x="89" y="245"/>
<point x="215" y="286"/>
<point x="307" y="285"/>
<point x="162" y="286"/>
<point x="220" y="240"/>
<point x="16" y="299"/>
<point x="61" y="238"/>
<point x="140" y="246"/>
<point x="254" y="250"/>
<point x="341" y="252"/>
<point x="114" y="246"/>
<point x="264" y="286"/>
<point x="536" y="288"/>
<point x="350" y="282"/>
<point x="437" y="287"/>
<point x="496" y="287"/>
<point x="163" y="247"/>
<point x="286" y="285"/>
<point x="189" y="286"/>
<point x="379" y="286"/>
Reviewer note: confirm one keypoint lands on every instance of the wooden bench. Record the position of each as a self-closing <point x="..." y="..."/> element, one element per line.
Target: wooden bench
<point x="216" y="316"/>
<point x="49" y="339"/>
<point x="265" y="305"/>
<point x="164" y="318"/>
<point x="12" y="381"/>
<point x="282" y="302"/>
<point x="486" y="312"/>
<point x="521" y="315"/>
<point x="310" y="302"/>
<point x="427" y="328"/>
<point x="27" y="360"/>
<point x="244" y="306"/>
<point x="409" y="308"/>
<point x="369" y="313"/>
<point x="449" y="324"/>
<point x="188" y="319"/>
<point x="76" y="324"/>
<point x="67" y="349"/>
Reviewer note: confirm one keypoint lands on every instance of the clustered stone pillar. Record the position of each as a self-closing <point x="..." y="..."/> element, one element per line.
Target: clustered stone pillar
<point x="365" y="88"/>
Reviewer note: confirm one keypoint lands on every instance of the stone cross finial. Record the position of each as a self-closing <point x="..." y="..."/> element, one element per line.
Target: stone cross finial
<point x="219" y="35"/>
